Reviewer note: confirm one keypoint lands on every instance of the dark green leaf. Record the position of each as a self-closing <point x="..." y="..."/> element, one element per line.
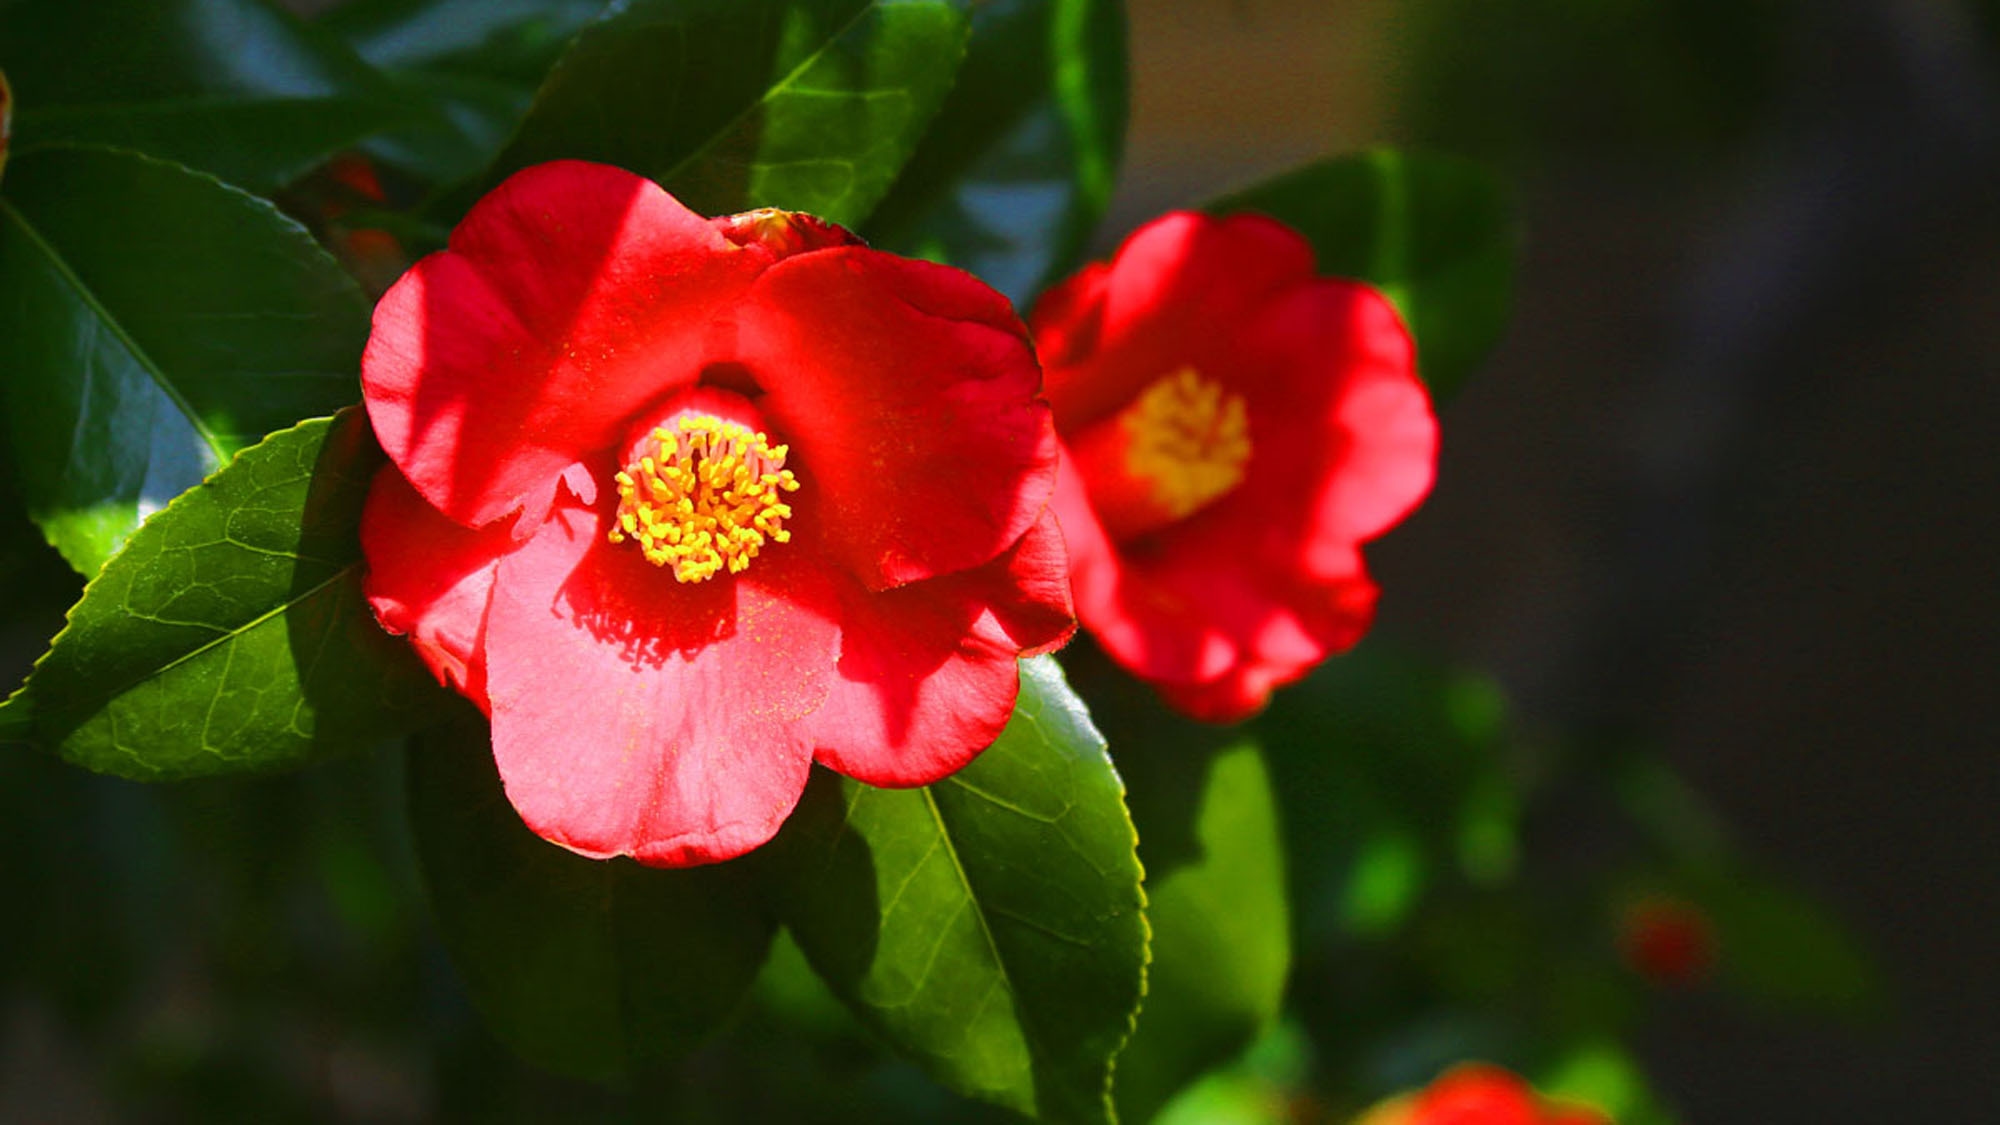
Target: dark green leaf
<point x="514" y="39"/>
<point x="156" y="321"/>
<point x="467" y="68"/>
<point x="1387" y="765"/>
<point x="1435" y="233"/>
<point x="234" y="87"/>
<point x="988" y="926"/>
<point x="1016" y="170"/>
<point x="596" y="968"/>
<point x="1221" y="933"/>
<point x="810" y="105"/>
<point x="231" y="634"/>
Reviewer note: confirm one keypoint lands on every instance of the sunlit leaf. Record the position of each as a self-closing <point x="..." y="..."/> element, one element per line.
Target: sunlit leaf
<point x="597" y="968"/>
<point x="156" y="322"/>
<point x="988" y="926"/>
<point x="230" y="634"/>
<point x="1435" y="233"/>
<point x="238" y="88"/>
<point x="810" y="105"/>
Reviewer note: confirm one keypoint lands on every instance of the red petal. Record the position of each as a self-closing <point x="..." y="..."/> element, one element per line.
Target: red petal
<point x="1141" y="627"/>
<point x="1175" y="295"/>
<point x="1476" y="1094"/>
<point x="1336" y="407"/>
<point x="570" y="297"/>
<point x="636" y="715"/>
<point x="908" y="393"/>
<point x="928" y="671"/>
<point x="432" y="579"/>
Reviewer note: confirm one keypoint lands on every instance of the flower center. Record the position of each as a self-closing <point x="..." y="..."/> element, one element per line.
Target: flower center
<point x="702" y="494"/>
<point x="1180" y="445"/>
<point x="1189" y="437"/>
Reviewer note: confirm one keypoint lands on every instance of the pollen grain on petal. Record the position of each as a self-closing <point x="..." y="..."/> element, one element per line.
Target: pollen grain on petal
<point x="703" y="495"/>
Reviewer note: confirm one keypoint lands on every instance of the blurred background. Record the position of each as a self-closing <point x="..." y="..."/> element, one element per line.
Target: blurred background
<point x="1729" y="483"/>
<point x="1700" y="612"/>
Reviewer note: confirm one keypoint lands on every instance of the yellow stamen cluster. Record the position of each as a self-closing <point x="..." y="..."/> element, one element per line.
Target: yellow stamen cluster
<point x="707" y="498"/>
<point x="1189" y="438"/>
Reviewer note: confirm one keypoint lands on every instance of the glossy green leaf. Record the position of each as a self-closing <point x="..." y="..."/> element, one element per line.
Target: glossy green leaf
<point x="156" y="322"/>
<point x="810" y="105"/>
<point x="499" y="38"/>
<point x="595" y="968"/>
<point x="1435" y="233"/>
<point x="989" y="926"/>
<point x="1221" y="930"/>
<point x="1016" y="171"/>
<point x="239" y="88"/>
<point x="467" y="69"/>
<point x="230" y="634"/>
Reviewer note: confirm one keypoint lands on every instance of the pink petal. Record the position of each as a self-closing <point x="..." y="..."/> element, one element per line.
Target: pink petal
<point x="570" y="297"/>
<point x="636" y="715"/>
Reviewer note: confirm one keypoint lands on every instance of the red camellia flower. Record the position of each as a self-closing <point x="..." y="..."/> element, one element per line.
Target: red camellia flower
<point x="1478" y="1094"/>
<point x="686" y="505"/>
<point x="1667" y="940"/>
<point x="1234" y="428"/>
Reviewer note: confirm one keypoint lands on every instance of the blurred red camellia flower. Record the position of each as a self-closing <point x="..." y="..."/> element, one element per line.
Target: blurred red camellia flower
<point x="1479" y="1094"/>
<point x="686" y="505"/>
<point x="1669" y="941"/>
<point x="1234" y="428"/>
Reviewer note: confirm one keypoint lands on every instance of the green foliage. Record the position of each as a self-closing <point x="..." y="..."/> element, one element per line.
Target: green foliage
<point x="1394" y="769"/>
<point x="230" y="634"/>
<point x="988" y="926"/>
<point x="1434" y="233"/>
<point x="1017" y="168"/>
<point x="1221" y="928"/>
<point x="736" y="104"/>
<point x="157" y="322"/>
<point x="1661" y="75"/>
<point x="467" y="68"/>
<point x="238" y="88"/>
<point x="586" y="967"/>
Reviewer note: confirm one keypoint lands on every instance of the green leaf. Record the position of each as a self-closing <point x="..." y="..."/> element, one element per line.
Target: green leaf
<point x="1389" y="765"/>
<point x="1016" y="171"/>
<point x="467" y="68"/>
<point x="1221" y="929"/>
<point x="238" y="88"/>
<point x="594" y="968"/>
<point x="990" y="926"/>
<point x="1435" y="233"/>
<point x="498" y="38"/>
<point x="809" y="105"/>
<point x="231" y="634"/>
<point x="157" y="321"/>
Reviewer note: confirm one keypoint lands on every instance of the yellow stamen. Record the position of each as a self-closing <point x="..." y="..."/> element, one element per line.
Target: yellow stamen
<point x="1188" y="439"/>
<point x="704" y="498"/>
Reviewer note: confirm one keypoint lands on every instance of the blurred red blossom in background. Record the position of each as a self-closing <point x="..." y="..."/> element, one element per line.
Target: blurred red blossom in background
<point x="1234" y="428"/>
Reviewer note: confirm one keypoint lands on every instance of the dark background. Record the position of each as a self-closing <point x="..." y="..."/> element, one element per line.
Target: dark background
<point x="1730" y="480"/>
